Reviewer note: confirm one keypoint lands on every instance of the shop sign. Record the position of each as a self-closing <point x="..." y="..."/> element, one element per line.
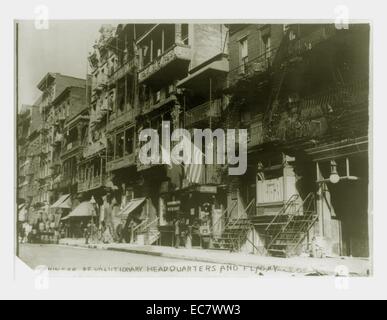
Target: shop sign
<point x="207" y="189"/>
<point x="173" y="206"/>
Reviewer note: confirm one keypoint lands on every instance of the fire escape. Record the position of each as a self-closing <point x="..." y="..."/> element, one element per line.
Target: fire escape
<point x="285" y="232"/>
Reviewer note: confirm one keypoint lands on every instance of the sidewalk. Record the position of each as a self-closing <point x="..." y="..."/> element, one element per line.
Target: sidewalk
<point x="303" y="265"/>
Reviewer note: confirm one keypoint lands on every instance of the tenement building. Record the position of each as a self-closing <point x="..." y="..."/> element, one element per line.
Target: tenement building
<point x="44" y="135"/>
<point x="301" y="91"/>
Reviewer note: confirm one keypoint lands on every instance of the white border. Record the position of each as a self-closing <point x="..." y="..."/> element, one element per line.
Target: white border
<point x="124" y="288"/>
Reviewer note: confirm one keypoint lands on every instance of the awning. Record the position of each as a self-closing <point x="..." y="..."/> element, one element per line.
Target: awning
<point x="22" y="214"/>
<point x="131" y="206"/>
<point x="63" y="202"/>
<point x="85" y="209"/>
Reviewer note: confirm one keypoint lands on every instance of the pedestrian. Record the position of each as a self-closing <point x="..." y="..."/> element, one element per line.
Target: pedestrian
<point x="88" y="232"/>
<point x="81" y="230"/>
<point x="132" y="226"/>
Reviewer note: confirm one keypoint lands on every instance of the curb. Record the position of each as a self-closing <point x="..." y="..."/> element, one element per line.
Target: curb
<point x="258" y="266"/>
<point x="261" y="267"/>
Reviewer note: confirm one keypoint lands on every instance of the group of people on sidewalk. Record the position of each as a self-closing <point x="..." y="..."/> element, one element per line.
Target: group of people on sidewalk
<point x="43" y="230"/>
<point x="184" y="232"/>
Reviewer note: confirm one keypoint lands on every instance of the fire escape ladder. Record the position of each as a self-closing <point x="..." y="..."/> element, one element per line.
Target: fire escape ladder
<point x="278" y="76"/>
<point x="236" y="231"/>
<point x="148" y="228"/>
<point x="291" y="226"/>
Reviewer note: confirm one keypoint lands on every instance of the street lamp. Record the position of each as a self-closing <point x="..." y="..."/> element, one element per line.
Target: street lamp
<point x="334" y="177"/>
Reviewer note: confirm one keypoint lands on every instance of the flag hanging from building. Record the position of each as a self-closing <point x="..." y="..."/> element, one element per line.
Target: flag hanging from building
<point x="194" y="169"/>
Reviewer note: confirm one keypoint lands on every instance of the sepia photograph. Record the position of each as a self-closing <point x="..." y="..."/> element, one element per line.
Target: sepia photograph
<point x="189" y="148"/>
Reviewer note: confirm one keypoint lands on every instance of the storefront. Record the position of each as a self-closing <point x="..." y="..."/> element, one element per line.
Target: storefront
<point x="77" y="221"/>
<point x="61" y="208"/>
<point x="343" y="190"/>
<point x="192" y="214"/>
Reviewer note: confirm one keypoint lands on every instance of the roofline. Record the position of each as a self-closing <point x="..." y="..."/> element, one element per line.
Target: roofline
<point x="45" y="78"/>
<point x="64" y="92"/>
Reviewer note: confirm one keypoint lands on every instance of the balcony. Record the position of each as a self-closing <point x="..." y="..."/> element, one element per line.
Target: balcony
<point x="142" y="167"/>
<point x="116" y="120"/>
<point x="127" y="161"/>
<point x="124" y="69"/>
<point x="255" y="133"/>
<point x="44" y="150"/>
<point x="92" y="183"/>
<point x="308" y="40"/>
<point x="57" y="139"/>
<point x="98" y="116"/>
<point x="210" y="74"/>
<point x="150" y="105"/>
<point x="42" y="178"/>
<point x="172" y="63"/>
<point x="339" y="111"/>
<point x="71" y="148"/>
<point x="55" y="164"/>
<point x="101" y="83"/>
<point x="65" y="182"/>
<point x="94" y="148"/>
<point x="210" y="174"/>
<point x="253" y="67"/>
<point x="44" y="128"/>
<point x="203" y="113"/>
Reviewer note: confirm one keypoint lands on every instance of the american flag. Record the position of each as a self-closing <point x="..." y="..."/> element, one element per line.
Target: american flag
<point x="194" y="170"/>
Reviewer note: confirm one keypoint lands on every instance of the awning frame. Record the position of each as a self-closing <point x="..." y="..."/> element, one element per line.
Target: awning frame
<point x="61" y="201"/>
<point x="131" y="206"/>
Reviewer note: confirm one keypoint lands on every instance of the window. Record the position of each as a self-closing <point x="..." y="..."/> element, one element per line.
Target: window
<point x="110" y="147"/>
<point x="157" y="43"/>
<point x="170" y="90"/>
<point x="129" y="141"/>
<point x="157" y="96"/>
<point x="169" y="36"/>
<point x="111" y="100"/>
<point x="121" y="97"/>
<point x="119" y="145"/>
<point x="97" y="167"/>
<point x="129" y="92"/>
<point x="266" y="42"/>
<point x="245" y="116"/>
<point x="112" y="66"/>
<point x="146" y="54"/>
<point x="243" y="54"/>
<point x="184" y="34"/>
